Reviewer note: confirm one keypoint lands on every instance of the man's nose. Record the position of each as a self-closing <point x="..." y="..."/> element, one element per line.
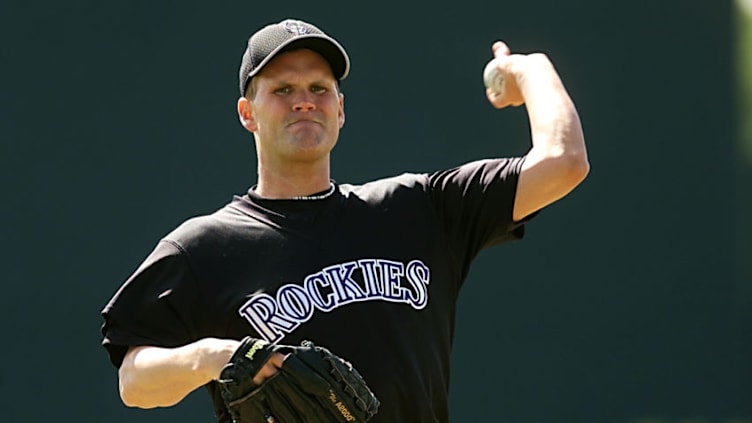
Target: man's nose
<point x="304" y="103"/>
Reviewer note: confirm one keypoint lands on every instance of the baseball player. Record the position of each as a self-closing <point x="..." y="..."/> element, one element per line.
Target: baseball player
<point x="370" y="271"/>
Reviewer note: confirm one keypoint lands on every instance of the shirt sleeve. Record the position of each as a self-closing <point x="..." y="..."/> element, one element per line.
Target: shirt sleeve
<point x="475" y="203"/>
<point x="151" y="307"/>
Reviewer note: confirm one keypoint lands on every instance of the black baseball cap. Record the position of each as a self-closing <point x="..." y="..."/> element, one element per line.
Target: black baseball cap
<point x="290" y="34"/>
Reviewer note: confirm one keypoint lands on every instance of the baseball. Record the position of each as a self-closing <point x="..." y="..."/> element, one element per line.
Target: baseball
<point x="492" y="78"/>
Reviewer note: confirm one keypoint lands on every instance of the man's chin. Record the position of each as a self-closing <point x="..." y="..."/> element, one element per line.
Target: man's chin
<point x="305" y="123"/>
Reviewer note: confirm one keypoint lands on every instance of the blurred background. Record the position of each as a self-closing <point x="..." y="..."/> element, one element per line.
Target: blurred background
<point x="628" y="302"/>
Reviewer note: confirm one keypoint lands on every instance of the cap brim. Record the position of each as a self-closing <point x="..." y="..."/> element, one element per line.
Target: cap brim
<point x="327" y="47"/>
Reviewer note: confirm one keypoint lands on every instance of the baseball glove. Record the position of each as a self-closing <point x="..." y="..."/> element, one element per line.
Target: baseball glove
<point x="312" y="386"/>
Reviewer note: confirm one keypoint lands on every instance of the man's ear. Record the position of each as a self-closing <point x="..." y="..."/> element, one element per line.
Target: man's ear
<point x="341" y="114"/>
<point x="245" y="114"/>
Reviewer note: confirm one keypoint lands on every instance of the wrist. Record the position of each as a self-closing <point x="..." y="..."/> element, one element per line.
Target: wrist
<point x="214" y="354"/>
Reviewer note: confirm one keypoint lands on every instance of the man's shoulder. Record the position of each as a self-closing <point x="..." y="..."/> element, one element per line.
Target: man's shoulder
<point x="403" y="182"/>
<point x="204" y="227"/>
<point x="423" y="181"/>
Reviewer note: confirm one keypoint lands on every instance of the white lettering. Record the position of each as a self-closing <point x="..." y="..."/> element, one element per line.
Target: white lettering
<point x="335" y="286"/>
<point x="260" y="311"/>
<point x="418" y="275"/>
<point x="294" y="302"/>
<point x="371" y="277"/>
<point x="314" y="284"/>
<point x="341" y="279"/>
<point x="391" y="273"/>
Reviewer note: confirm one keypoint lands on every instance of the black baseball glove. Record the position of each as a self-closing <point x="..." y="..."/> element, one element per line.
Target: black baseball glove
<point x="312" y="386"/>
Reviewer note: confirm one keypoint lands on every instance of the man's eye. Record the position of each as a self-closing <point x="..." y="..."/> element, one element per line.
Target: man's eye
<point x="283" y="90"/>
<point x="318" y="89"/>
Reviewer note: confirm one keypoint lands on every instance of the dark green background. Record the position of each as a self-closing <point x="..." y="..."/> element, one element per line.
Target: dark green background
<point x="628" y="301"/>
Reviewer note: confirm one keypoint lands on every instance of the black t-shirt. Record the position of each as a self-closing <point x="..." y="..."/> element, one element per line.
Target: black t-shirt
<point x="371" y="272"/>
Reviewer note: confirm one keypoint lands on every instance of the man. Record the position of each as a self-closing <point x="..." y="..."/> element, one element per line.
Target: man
<point x="370" y="271"/>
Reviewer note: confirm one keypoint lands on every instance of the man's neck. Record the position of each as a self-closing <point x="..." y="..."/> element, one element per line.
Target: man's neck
<point x="286" y="187"/>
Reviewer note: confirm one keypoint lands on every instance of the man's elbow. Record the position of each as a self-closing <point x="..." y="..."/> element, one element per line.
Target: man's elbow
<point x="130" y="399"/>
<point x="132" y="394"/>
<point x="139" y="399"/>
<point x="579" y="167"/>
<point x="128" y="395"/>
<point x="574" y="167"/>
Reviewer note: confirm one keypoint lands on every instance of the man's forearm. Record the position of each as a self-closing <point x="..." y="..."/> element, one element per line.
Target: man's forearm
<point x="554" y="123"/>
<point x="557" y="161"/>
<point x="161" y="377"/>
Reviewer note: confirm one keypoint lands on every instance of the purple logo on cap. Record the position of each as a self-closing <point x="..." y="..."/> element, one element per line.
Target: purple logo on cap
<point x="297" y="28"/>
